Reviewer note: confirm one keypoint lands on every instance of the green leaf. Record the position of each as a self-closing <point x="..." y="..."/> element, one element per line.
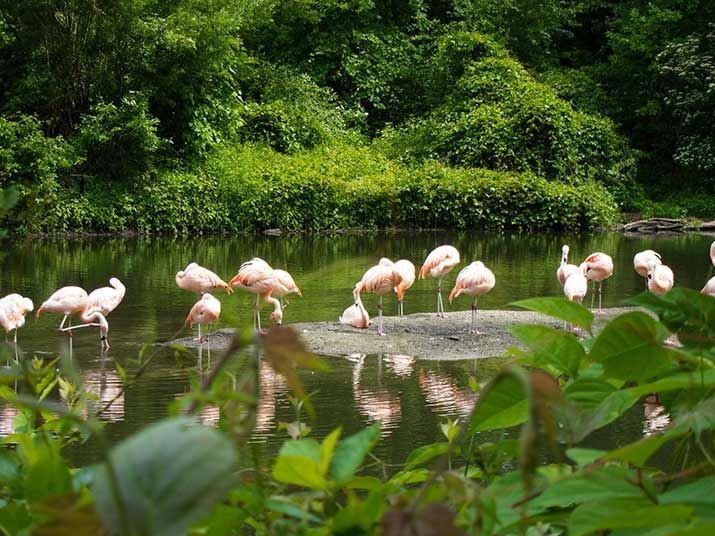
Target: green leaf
<point x="607" y="515"/>
<point x="551" y="347"/>
<point x="560" y="308"/>
<point x="168" y="475"/>
<point x="502" y="404"/>
<point x="629" y="349"/>
<point x="327" y="447"/>
<point x="583" y="457"/>
<point x="699" y="494"/>
<point x="638" y="452"/>
<point x="299" y="463"/>
<point x="351" y="452"/>
<point x="425" y="453"/>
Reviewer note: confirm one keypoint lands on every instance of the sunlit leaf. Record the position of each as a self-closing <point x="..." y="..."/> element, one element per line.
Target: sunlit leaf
<point x="299" y="463"/>
<point x="351" y="452"/>
<point x="551" y="347"/>
<point x="327" y="448"/>
<point x="560" y="308"/>
<point x="629" y="348"/>
<point x="168" y="475"/>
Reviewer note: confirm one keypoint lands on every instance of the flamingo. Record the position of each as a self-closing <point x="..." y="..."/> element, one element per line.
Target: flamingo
<point x="599" y="266"/>
<point x="576" y="286"/>
<point x="407" y="271"/>
<point x="642" y="260"/>
<point x="356" y="315"/>
<point x="198" y="279"/>
<point x="205" y="311"/>
<point x="258" y="277"/>
<point x="439" y="263"/>
<point x="660" y="277"/>
<point x="709" y="288"/>
<point x="66" y="300"/>
<point x="565" y="269"/>
<point x="100" y="303"/>
<point x="473" y="280"/>
<point x="285" y="285"/>
<point x="13" y="308"/>
<point x="380" y="279"/>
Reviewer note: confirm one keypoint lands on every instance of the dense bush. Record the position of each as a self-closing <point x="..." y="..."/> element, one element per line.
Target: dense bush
<point x="249" y="189"/>
<point x="498" y="117"/>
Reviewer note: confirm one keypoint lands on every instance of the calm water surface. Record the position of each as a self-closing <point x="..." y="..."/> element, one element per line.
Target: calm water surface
<point x="410" y="397"/>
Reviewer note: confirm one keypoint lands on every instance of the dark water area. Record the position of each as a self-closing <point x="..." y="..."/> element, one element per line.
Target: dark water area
<point x="410" y="397"/>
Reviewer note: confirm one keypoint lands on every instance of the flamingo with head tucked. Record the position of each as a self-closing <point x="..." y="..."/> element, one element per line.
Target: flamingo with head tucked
<point x="380" y="279"/>
<point x="660" y="277"/>
<point x="13" y="308"/>
<point x="285" y="284"/>
<point x="438" y="264"/>
<point x="473" y="280"/>
<point x="642" y="261"/>
<point x="356" y="315"/>
<point x="599" y="267"/>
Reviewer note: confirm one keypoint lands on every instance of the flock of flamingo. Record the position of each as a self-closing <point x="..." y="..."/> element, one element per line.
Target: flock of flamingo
<point x="272" y="284"/>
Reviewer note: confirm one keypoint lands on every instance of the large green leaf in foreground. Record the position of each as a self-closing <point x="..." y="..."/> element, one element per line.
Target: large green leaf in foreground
<point x="168" y="476"/>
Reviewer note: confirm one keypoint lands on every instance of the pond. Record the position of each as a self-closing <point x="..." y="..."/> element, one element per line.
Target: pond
<point x="411" y="397"/>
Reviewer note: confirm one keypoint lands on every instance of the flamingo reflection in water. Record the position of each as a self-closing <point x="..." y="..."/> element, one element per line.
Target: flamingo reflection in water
<point x="106" y="394"/>
<point x="377" y="403"/>
<point x="444" y="395"/>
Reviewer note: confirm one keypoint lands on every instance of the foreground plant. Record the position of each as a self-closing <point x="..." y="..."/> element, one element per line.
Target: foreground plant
<point x="520" y="464"/>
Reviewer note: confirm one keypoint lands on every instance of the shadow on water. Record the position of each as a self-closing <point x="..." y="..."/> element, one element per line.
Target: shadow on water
<point x="410" y="397"/>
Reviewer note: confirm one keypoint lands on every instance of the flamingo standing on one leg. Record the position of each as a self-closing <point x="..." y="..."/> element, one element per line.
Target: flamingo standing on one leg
<point x="100" y="303"/>
<point x="660" y="277"/>
<point x="198" y="279"/>
<point x="599" y="266"/>
<point x="205" y="311"/>
<point x="565" y="269"/>
<point x="66" y="300"/>
<point x="407" y="271"/>
<point x="258" y="277"/>
<point x="439" y="263"/>
<point x="380" y="279"/>
<point x="13" y="308"/>
<point x="642" y="260"/>
<point x="473" y="280"/>
<point x="356" y="315"/>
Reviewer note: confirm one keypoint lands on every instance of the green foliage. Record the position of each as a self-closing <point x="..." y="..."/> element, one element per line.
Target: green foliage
<point x="539" y="476"/>
<point x="498" y="117"/>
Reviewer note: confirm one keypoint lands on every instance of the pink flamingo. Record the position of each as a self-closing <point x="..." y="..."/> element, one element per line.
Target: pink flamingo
<point x="660" y="277"/>
<point x="565" y="269"/>
<point x="198" y="279"/>
<point x="439" y="263"/>
<point x="473" y="280"/>
<point x="258" y="277"/>
<point x="642" y="260"/>
<point x="100" y="303"/>
<point x="285" y="284"/>
<point x="205" y="311"/>
<point x="599" y="266"/>
<point x="380" y="279"/>
<point x="709" y="287"/>
<point x="576" y="286"/>
<point x="13" y="308"/>
<point x="356" y="315"/>
<point x="407" y="271"/>
<point x="66" y="300"/>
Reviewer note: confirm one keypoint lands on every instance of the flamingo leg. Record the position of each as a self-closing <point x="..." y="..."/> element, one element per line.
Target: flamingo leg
<point x="440" y="303"/>
<point x="401" y="308"/>
<point x="380" y="331"/>
<point x="256" y="315"/>
<point x="70" y="328"/>
<point x="473" y="327"/>
<point x="600" y="295"/>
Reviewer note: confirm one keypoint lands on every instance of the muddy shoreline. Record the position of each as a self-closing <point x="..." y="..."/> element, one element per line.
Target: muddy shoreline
<point x="421" y="335"/>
